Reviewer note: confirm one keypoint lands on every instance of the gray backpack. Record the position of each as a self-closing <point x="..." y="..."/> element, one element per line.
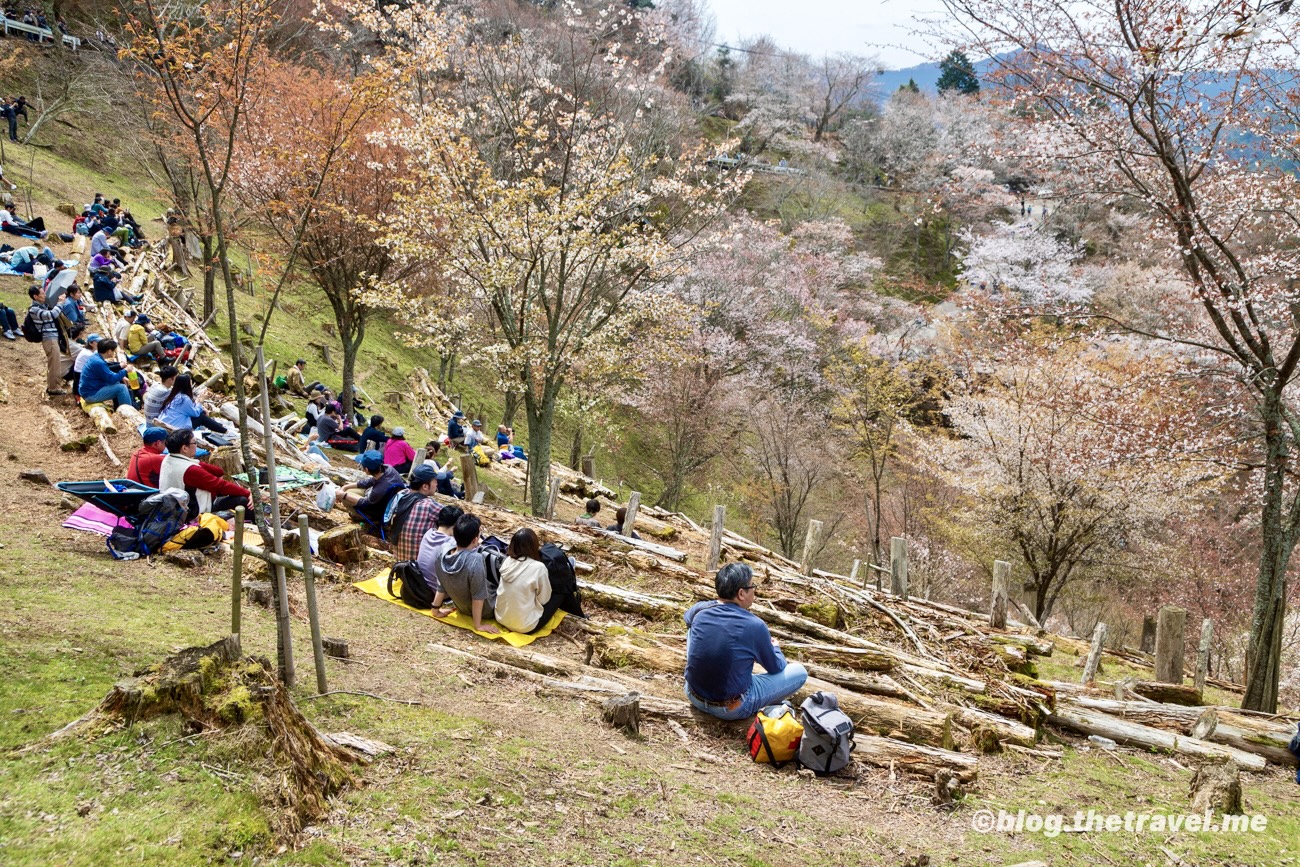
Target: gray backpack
<point x="827" y="735"/>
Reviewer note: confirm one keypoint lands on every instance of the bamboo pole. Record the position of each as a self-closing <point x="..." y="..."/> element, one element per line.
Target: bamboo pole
<point x="277" y="532"/>
<point x="313" y="615"/>
<point x="237" y="571"/>
<point x="280" y="560"/>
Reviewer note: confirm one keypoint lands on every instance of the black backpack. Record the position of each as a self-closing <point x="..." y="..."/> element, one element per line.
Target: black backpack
<point x="492" y="560"/>
<point x="159" y="517"/>
<point x="414" y="590"/>
<point x="564" y="581"/>
<point x="31" y="331"/>
<point x="399" y="510"/>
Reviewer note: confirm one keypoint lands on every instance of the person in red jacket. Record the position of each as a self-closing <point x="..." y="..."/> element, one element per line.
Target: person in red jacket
<point x="209" y="490"/>
<point x="147" y="461"/>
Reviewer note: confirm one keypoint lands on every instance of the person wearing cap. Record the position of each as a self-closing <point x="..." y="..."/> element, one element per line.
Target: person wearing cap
<point x="295" y="380"/>
<point x="122" y="327"/>
<point x="138" y="342"/>
<point x="89" y="347"/>
<point x="413" y="514"/>
<point x="723" y="641"/>
<point x="374" y="434"/>
<point x="398" y="453"/>
<point x="475" y="437"/>
<point x="368" y="498"/>
<point x="456" y="430"/>
<point x="146" y="462"/>
<point x="158" y="392"/>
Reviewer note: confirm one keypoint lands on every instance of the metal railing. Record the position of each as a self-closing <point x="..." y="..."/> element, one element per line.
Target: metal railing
<point x="45" y="34"/>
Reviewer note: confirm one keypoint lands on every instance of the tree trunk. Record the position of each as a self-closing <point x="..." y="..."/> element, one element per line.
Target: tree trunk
<point x="210" y="286"/>
<point x="923" y="760"/>
<point x="512" y="407"/>
<point x="352" y="339"/>
<point x="575" y="449"/>
<point x="540" y="412"/>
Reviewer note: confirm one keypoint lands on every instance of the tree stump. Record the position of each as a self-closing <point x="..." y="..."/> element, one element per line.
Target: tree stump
<point x="36" y="477"/>
<point x="1169" y="644"/>
<point x="217" y="689"/>
<point x="624" y="712"/>
<point x="343" y="544"/>
<point x="947" y="788"/>
<point x="1217" y="786"/>
<point x="1148" y="643"/>
<point x="258" y="593"/>
<point x="335" y="647"/>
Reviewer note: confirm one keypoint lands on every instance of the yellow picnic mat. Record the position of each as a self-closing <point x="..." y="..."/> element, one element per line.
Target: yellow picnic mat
<point x="377" y="586"/>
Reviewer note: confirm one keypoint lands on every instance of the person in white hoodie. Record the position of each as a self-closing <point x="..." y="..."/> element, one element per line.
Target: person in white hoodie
<point x="524" y="596"/>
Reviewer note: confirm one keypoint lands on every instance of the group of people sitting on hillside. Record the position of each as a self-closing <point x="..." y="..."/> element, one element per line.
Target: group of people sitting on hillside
<point x="169" y="460"/>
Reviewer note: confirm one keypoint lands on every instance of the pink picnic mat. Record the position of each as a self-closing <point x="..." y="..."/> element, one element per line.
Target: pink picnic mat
<point x="93" y="519"/>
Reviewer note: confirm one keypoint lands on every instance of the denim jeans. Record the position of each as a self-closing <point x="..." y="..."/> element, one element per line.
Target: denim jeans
<point x="764" y="689"/>
<point x="119" y="394"/>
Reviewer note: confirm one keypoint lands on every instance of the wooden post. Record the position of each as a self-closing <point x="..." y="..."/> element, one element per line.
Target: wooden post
<point x="1001" y="582"/>
<point x="552" y="498"/>
<point x="811" y="542"/>
<point x="237" y="571"/>
<point x="277" y="532"/>
<point x="416" y="461"/>
<point x="1094" y="654"/>
<point x="633" y="506"/>
<point x="1203" y="654"/>
<point x="853" y="573"/>
<point x="313" y="615"/>
<point x="589" y="466"/>
<point x="469" y="472"/>
<point x="1148" y="644"/>
<point x="1169" y="644"/>
<point x="898" y="566"/>
<point x="715" y="538"/>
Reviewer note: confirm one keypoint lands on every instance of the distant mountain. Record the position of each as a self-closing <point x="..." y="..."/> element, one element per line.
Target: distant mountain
<point x="926" y="76"/>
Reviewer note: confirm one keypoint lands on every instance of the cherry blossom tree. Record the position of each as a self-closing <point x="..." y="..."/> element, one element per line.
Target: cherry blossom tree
<point x="1027" y="262"/>
<point x="1178" y="110"/>
<point x="548" y="194"/>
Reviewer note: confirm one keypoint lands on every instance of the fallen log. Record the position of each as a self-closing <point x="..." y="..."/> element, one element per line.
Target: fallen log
<point x="1220" y="725"/>
<point x="618" y="599"/>
<point x="653" y="548"/>
<point x="1168" y="693"/>
<point x="1091" y="722"/>
<point x="886" y="717"/>
<point x="100" y="415"/>
<point x="129" y="415"/>
<point x="64" y="434"/>
<point x="871" y="683"/>
<point x="990" y="731"/>
<point x="914" y="759"/>
<point x="856" y="658"/>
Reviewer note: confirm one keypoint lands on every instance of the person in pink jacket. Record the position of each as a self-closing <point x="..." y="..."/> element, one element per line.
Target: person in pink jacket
<point x="398" y="453"/>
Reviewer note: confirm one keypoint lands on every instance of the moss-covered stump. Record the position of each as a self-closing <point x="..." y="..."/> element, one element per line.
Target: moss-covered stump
<point x="217" y="689"/>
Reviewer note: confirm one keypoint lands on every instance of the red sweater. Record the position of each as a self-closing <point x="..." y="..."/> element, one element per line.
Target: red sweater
<point x="146" y="464"/>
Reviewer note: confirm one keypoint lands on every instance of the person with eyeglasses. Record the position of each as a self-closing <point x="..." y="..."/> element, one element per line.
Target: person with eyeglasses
<point x="723" y="641"/>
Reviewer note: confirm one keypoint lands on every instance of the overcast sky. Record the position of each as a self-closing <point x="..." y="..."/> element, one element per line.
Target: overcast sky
<point x="870" y="27"/>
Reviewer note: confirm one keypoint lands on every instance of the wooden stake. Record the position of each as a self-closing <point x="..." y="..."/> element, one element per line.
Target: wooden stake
<point x="715" y="538"/>
<point x="589" y="466"/>
<point x="313" y="615"/>
<point x="633" y="506"/>
<point x="277" y="533"/>
<point x="1203" y="654"/>
<point x="237" y="570"/>
<point x="1094" y="654"/>
<point x="1001" y="583"/>
<point x="552" y="498"/>
<point x="1148" y="644"/>
<point x="1169" y="644"/>
<point x="469" y="473"/>
<point x="416" y="461"/>
<point x="898" y="566"/>
<point x="811" y="542"/>
<point x="853" y="573"/>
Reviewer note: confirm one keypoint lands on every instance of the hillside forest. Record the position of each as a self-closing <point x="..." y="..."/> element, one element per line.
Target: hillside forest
<point x="1045" y="315"/>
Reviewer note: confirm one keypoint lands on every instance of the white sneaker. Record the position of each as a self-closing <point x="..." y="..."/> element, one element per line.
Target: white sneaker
<point x="9" y="335"/>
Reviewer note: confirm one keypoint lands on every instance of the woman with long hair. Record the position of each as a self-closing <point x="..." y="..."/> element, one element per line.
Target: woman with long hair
<point x="181" y="411"/>
<point x="524" y="599"/>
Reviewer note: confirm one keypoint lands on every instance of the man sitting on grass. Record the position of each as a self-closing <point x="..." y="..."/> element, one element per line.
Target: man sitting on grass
<point x="462" y="575"/>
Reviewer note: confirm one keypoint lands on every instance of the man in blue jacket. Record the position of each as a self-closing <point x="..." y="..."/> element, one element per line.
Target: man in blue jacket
<point x="456" y="430"/>
<point x="724" y="641"/>
<point x="99" y="382"/>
